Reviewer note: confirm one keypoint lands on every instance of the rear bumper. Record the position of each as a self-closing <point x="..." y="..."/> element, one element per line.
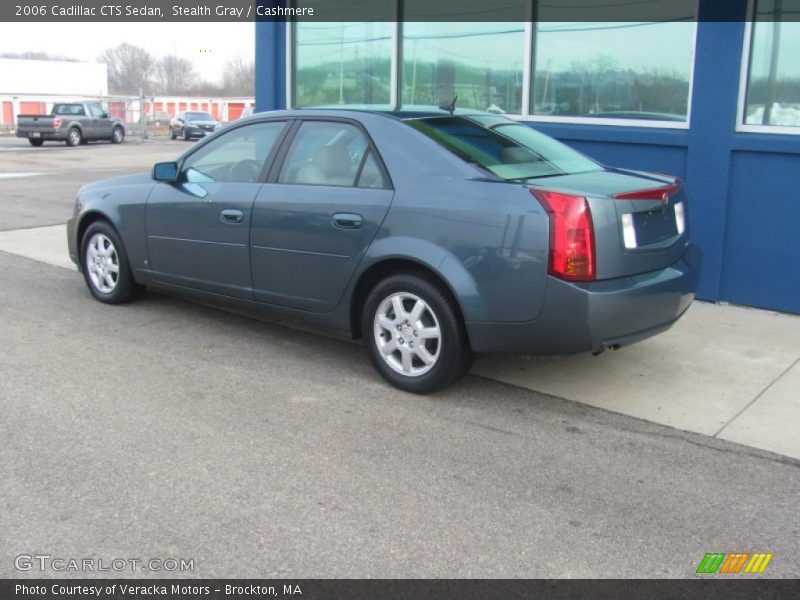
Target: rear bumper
<point x="589" y="317"/>
<point x="43" y="135"/>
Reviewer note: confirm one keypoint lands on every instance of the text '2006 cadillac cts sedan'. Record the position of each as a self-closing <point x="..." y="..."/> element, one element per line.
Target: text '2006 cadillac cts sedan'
<point x="434" y="235"/>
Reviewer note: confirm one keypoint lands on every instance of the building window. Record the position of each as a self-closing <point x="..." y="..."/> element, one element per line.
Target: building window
<point x="548" y="68"/>
<point x="773" y="78"/>
<point x="613" y="70"/>
<point x="342" y="63"/>
<point x="481" y="63"/>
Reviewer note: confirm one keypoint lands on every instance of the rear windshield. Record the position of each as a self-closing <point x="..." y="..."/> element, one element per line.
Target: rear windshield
<point x="507" y="149"/>
<point x="198" y="116"/>
<point x="68" y="109"/>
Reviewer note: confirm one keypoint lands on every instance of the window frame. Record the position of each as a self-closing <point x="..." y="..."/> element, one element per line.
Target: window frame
<point x="528" y="64"/>
<point x="744" y="77"/>
<point x="291" y="134"/>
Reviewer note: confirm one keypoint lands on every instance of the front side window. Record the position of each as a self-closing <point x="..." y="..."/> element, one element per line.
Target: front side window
<point x="503" y="147"/>
<point x="235" y="157"/>
<point x="773" y="80"/>
<point x="96" y="111"/>
<point x="328" y="153"/>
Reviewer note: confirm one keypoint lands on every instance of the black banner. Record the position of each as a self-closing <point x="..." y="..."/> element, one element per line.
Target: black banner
<point x="394" y="10"/>
<point x="401" y="589"/>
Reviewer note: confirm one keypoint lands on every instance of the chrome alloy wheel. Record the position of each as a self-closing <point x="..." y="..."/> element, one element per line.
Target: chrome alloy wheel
<point x="74" y="137"/>
<point x="102" y="263"/>
<point x="407" y="334"/>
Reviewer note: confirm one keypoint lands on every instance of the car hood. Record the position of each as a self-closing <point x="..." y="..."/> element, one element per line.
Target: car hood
<point x="136" y="179"/>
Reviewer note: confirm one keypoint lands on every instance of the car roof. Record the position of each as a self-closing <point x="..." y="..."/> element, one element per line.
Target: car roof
<point x="405" y="112"/>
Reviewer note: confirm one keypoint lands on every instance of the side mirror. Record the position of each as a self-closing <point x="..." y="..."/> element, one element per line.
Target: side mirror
<point x="165" y="171"/>
<point x="104" y="115"/>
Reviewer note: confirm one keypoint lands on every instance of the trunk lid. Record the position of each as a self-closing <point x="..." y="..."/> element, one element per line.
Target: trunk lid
<point x="640" y="219"/>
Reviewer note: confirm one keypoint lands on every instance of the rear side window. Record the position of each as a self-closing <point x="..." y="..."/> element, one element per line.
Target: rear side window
<point x="330" y="153"/>
<point x="507" y="149"/>
<point x="69" y="109"/>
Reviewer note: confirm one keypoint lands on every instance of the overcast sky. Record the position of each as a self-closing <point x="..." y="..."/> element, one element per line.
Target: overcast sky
<point x="208" y="45"/>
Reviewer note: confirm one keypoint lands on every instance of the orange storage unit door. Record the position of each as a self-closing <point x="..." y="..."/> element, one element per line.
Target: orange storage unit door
<point x="8" y="112"/>
<point x="235" y="110"/>
<point x="32" y="108"/>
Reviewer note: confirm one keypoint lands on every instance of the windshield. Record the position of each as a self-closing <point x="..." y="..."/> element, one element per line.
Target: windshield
<point x="507" y="149"/>
<point x="198" y="116"/>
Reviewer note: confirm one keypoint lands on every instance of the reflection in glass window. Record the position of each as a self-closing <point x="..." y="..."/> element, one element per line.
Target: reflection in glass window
<point x="773" y="84"/>
<point x="614" y="70"/>
<point x="342" y="63"/>
<point x="481" y="63"/>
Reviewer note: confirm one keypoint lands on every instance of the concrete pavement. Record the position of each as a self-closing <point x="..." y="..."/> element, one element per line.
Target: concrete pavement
<point x="167" y="429"/>
<point x="724" y="371"/>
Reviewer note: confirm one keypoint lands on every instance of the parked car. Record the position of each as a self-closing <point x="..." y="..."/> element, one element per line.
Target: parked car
<point x="158" y="118"/>
<point x="74" y="123"/>
<point x="434" y="236"/>
<point x="191" y="124"/>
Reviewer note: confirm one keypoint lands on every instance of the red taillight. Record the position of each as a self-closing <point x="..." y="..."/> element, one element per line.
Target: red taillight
<point x="56" y="122"/>
<point x="652" y="193"/>
<point x="572" y="253"/>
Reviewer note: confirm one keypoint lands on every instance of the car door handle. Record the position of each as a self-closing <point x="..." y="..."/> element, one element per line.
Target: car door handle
<point x="232" y="216"/>
<point x="347" y="221"/>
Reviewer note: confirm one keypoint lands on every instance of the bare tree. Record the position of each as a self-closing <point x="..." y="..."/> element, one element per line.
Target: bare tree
<point x="175" y="75"/>
<point x="35" y="55"/>
<point x="131" y="69"/>
<point x="238" y="78"/>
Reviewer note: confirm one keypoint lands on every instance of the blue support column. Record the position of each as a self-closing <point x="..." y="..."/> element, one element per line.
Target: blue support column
<point x="270" y="65"/>
<point x="713" y="120"/>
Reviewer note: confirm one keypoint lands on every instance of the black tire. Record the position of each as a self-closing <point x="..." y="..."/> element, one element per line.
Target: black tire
<point x="35" y="142"/>
<point x="74" y="137"/>
<point x="117" y="135"/>
<point x="186" y="136"/>
<point x="125" y="288"/>
<point x="172" y="135"/>
<point x="453" y="354"/>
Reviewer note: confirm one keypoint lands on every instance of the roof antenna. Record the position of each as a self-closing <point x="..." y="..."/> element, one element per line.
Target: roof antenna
<point x="451" y="108"/>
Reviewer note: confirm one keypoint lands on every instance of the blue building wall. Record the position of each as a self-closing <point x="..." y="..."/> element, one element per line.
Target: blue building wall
<point x="744" y="188"/>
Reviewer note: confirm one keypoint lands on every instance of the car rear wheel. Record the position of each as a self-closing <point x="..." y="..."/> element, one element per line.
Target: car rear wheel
<point x="414" y="334"/>
<point x="105" y="265"/>
<point x="74" y="137"/>
<point x="35" y="142"/>
<point x="172" y="135"/>
<point x="186" y="135"/>
<point x="117" y="135"/>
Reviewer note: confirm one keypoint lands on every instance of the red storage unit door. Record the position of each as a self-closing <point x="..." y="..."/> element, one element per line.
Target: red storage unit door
<point x="171" y="109"/>
<point x="215" y="111"/>
<point x="158" y="107"/>
<point x="8" y="112"/>
<point x="182" y="106"/>
<point x="235" y="110"/>
<point x="32" y="108"/>
<point x="117" y="110"/>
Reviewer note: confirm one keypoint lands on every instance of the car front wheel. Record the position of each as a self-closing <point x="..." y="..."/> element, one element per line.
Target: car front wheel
<point x="105" y="265"/>
<point x="118" y="135"/>
<point x="414" y="334"/>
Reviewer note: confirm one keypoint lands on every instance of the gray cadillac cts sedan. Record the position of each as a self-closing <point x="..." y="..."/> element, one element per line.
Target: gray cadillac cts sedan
<point x="432" y="234"/>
